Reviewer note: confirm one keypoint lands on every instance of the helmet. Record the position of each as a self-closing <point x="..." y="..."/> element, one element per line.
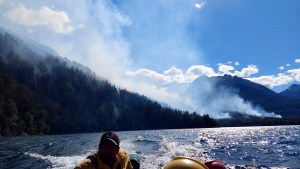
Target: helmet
<point x="215" y="164"/>
<point x="181" y="162"/>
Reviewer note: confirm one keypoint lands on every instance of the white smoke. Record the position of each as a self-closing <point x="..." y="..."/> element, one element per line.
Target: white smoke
<point x="88" y="32"/>
<point x="153" y="39"/>
<point x="220" y="103"/>
<point x="182" y="90"/>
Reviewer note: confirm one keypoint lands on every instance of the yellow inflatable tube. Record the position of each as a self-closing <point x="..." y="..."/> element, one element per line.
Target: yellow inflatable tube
<point x="181" y="162"/>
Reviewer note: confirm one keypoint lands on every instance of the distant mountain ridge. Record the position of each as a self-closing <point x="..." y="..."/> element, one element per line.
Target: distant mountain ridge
<point x="257" y="94"/>
<point x="293" y="91"/>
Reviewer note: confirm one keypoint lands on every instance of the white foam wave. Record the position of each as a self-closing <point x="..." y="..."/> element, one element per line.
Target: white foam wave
<point x="168" y="150"/>
<point x="59" y="162"/>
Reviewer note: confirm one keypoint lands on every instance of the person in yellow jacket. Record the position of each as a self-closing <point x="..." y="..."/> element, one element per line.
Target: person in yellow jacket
<point x="108" y="156"/>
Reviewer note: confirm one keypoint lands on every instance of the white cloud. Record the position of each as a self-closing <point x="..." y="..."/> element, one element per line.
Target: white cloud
<point x="57" y="21"/>
<point x="225" y="68"/>
<point x="287" y="65"/>
<point x="272" y="80"/>
<point x="176" y="76"/>
<point x="297" y="60"/>
<point x="232" y="63"/>
<point x="200" y="70"/>
<point x="148" y="76"/>
<point x="246" y="72"/>
<point x="295" y="73"/>
<point x="173" y="71"/>
<point x="200" y="5"/>
<point x="172" y="75"/>
<point x="281" y="67"/>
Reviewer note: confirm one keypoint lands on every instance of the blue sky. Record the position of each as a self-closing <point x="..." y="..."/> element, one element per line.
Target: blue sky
<point x="155" y="47"/>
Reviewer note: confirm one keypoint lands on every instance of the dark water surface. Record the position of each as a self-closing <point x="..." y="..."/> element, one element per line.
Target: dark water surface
<point x="242" y="147"/>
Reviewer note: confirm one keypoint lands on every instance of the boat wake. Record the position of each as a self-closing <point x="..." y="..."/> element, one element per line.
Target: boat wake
<point x="58" y="162"/>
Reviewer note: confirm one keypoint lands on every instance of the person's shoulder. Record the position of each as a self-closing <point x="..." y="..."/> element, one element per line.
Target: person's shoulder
<point x="123" y="154"/>
<point x="85" y="164"/>
<point x="124" y="158"/>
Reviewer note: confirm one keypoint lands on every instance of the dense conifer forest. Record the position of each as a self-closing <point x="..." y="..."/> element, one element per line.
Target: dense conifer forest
<point x="46" y="94"/>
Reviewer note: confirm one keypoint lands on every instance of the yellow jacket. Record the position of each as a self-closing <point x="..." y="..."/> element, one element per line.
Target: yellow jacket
<point x="122" y="158"/>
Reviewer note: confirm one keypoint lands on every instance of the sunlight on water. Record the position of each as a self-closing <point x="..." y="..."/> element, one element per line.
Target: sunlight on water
<point x="240" y="147"/>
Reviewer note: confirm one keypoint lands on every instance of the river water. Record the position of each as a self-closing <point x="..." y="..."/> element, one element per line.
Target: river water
<point x="238" y="147"/>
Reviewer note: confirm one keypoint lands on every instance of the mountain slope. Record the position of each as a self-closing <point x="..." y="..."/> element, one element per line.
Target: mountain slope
<point x="54" y="95"/>
<point x="13" y="98"/>
<point x="292" y="92"/>
<point x="257" y="94"/>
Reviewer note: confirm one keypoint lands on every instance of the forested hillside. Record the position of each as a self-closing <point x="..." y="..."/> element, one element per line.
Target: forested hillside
<point x="46" y="94"/>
